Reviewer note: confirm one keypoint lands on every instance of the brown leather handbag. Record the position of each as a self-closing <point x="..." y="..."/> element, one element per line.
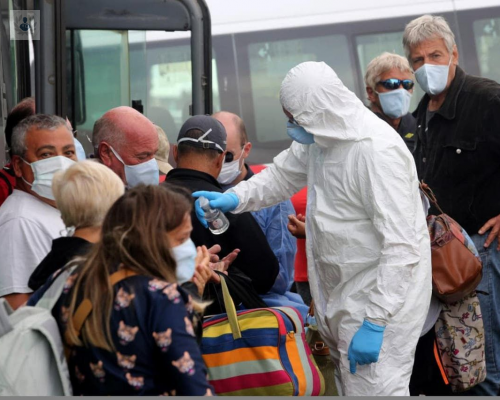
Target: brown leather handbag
<point x="456" y="265"/>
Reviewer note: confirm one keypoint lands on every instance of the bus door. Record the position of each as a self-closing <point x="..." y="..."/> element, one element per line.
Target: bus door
<point x="95" y="57"/>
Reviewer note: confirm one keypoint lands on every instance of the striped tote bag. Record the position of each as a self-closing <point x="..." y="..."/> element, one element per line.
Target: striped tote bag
<point x="259" y="352"/>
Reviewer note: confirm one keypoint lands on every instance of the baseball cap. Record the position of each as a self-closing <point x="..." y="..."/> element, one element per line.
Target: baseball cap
<point x="161" y="155"/>
<point x="213" y="137"/>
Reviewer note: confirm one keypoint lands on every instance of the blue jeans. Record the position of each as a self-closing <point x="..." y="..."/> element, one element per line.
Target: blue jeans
<point x="490" y="309"/>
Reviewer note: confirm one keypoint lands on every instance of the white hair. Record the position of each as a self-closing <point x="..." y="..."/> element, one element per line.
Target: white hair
<point x="85" y="192"/>
<point x="382" y="63"/>
<point x="424" y="28"/>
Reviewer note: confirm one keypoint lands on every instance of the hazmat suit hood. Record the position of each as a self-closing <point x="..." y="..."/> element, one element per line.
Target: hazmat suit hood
<point x="320" y="103"/>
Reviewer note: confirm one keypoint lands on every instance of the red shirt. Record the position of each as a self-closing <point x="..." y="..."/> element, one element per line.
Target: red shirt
<point x="299" y="201"/>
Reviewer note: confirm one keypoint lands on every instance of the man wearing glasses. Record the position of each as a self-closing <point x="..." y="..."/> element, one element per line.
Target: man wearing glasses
<point x="389" y="85"/>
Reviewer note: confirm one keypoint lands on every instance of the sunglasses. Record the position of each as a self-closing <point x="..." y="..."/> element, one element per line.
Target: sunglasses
<point x="229" y="156"/>
<point x="393" y="83"/>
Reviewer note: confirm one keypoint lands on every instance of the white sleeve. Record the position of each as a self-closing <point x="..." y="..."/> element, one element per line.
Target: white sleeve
<point x="285" y="177"/>
<point x="389" y="193"/>
<point x="23" y="245"/>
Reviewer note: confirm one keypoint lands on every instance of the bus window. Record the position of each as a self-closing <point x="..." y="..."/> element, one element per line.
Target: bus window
<point x="270" y="61"/>
<point x="105" y="75"/>
<point x="487" y="36"/>
<point x="370" y="46"/>
<point x="170" y="86"/>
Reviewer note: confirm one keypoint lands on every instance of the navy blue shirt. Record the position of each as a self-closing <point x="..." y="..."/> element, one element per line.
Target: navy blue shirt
<point x="156" y="352"/>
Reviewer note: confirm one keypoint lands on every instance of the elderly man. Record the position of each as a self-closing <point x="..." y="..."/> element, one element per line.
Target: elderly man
<point x="29" y="221"/>
<point x="458" y="155"/>
<point x="272" y="220"/>
<point x="389" y="85"/>
<point x="368" y="249"/>
<point x="126" y="141"/>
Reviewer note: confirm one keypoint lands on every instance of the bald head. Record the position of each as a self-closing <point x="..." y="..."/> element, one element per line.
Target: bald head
<point x="129" y="133"/>
<point x="234" y="124"/>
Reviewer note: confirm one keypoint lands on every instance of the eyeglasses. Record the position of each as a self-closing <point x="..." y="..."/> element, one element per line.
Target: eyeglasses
<point x="393" y="83"/>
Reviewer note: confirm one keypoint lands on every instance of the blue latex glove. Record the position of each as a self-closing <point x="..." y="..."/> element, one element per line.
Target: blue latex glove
<point x="222" y="201"/>
<point x="365" y="345"/>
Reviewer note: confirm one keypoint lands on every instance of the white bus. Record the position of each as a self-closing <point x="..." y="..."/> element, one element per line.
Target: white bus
<point x="254" y="44"/>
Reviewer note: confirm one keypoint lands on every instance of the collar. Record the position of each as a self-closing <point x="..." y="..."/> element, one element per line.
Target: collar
<point x="192" y="174"/>
<point x="449" y="107"/>
<point x="249" y="173"/>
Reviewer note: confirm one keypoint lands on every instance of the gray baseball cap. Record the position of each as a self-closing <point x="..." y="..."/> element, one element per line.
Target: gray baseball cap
<point x="213" y="137"/>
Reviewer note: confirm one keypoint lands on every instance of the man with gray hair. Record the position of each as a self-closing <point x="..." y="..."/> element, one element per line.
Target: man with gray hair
<point x="389" y="85"/>
<point x="126" y="141"/>
<point x="457" y="154"/>
<point x="29" y="221"/>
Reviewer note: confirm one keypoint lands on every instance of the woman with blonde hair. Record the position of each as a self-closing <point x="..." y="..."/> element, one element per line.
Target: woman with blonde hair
<point x="83" y="193"/>
<point x="137" y="335"/>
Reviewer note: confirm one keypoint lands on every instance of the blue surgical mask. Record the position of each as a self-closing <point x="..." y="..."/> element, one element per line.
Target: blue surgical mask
<point x="43" y="172"/>
<point x="298" y="133"/>
<point x="395" y="103"/>
<point x="433" y="78"/>
<point x="185" y="256"/>
<point x="80" y="151"/>
<point x="146" y="172"/>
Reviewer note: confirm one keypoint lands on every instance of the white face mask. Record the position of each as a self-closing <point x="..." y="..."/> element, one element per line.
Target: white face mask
<point x="433" y="78"/>
<point x="146" y="172"/>
<point x="43" y="172"/>
<point x="230" y="171"/>
<point x="185" y="256"/>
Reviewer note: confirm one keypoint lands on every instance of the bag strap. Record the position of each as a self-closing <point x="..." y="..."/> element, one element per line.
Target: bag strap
<point x="85" y="308"/>
<point x="52" y="294"/>
<point x="232" y="316"/>
<point x="427" y="191"/>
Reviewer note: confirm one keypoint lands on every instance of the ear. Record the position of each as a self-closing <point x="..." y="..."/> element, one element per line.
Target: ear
<point x="372" y="96"/>
<point x="104" y="153"/>
<point x="16" y="165"/>
<point x="246" y="150"/>
<point x="454" y="55"/>
<point x="175" y="153"/>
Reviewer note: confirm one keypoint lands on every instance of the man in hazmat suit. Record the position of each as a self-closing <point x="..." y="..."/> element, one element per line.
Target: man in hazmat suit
<point x="368" y="249"/>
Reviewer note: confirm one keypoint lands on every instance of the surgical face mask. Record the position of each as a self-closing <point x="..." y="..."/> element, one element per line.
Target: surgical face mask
<point x="80" y="151"/>
<point x="433" y="78"/>
<point x="146" y="172"/>
<point x="43" y="172"/>
<point x="298" y="133"/>
<point x="230" y="171"/>
<point x="185" y="256"/>
<point x="395" y="103"/>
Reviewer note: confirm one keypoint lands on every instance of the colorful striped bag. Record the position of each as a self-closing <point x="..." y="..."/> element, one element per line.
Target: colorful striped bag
<point x="259" y="352"/>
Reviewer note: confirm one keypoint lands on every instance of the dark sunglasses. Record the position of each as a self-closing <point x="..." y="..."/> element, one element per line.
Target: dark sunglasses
<point x="230" y="156"/>
<point x="393" y="83"/>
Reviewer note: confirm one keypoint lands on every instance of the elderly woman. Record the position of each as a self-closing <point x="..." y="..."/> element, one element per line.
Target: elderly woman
<point x="389" y="85"/>
<point x="83" y="193"/>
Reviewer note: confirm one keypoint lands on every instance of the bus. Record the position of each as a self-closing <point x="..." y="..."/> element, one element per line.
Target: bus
<point x="253" y="45"/>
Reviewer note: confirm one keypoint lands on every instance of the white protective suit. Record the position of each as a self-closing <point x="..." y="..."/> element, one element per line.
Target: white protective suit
<point x="367" y="245"/>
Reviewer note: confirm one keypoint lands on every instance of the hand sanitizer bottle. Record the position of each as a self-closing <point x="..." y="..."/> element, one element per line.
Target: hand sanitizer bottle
<point x="217" y="221"/>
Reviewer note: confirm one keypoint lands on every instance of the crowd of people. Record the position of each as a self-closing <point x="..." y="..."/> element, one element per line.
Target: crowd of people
<point x="131" y="231"/>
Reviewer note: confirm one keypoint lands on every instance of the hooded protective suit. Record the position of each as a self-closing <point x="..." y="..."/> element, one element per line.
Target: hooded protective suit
<point x="367" y="245"/>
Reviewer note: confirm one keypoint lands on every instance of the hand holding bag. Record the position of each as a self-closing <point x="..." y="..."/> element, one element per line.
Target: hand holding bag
<point x="456" y="265"/>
